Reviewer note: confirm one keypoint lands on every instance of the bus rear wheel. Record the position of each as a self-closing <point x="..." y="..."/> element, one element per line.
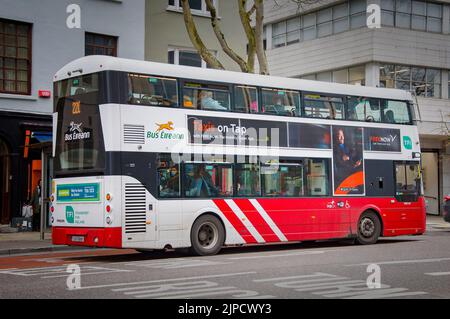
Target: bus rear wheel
<point x="207" y="236"/>
<point x="369" y="228"/>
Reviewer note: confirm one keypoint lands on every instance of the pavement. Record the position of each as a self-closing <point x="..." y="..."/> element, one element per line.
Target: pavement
<point x="29" y="242"/>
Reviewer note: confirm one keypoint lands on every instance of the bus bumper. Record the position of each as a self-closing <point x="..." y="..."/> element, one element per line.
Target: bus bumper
<point x="92" y="237"/>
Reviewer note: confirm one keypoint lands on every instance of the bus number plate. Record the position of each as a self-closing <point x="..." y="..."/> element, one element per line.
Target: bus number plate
<point x="78" y="239"/>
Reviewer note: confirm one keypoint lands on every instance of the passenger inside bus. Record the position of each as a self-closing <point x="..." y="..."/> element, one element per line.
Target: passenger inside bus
<point x="205" y="98"/>
<point x="201" y="183"/>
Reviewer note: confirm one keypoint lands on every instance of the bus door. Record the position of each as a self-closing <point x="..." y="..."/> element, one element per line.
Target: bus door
<point x="407" y="192"/>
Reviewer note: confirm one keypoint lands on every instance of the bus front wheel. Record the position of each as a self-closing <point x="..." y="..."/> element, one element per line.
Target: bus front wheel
<point x="369" y="228"/>
<point x="207" y="236"/>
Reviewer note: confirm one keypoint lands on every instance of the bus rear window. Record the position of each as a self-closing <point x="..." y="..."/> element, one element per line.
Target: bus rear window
<point x="76" y="86"/>
<point x="151" y="90"/>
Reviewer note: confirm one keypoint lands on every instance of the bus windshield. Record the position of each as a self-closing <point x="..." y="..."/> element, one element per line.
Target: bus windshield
<point x="79" y="138"/>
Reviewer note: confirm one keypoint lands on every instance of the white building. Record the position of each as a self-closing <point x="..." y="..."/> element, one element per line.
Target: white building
<point x="330" y="41"/>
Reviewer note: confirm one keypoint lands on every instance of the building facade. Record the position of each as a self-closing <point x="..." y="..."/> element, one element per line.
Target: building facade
<point x="37" y="39"/>
<point x="167" y="41"/>
<point x="329" y="41"/>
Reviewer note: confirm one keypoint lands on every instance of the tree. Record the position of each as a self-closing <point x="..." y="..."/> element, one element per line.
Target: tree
<point x="251" y="14"/>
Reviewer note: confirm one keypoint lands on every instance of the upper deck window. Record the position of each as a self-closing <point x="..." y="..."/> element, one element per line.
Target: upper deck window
<point x="363" y="109"/>
<point x="396" y="112"/>
<point x="321" y="106"/>
<point x="151" y="90"/>
<point x="206" y="97"/>
<point x="245" y="99"/>
<point x="280" y="102"/>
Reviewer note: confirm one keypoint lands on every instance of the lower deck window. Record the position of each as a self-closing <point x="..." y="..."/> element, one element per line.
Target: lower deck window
<point x="282" y="180"/>
<point x="208" y="180"/>
<point x="169" y="177"/>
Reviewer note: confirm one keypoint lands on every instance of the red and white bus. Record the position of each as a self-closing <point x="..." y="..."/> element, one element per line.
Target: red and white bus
<point x="154" y="156"/>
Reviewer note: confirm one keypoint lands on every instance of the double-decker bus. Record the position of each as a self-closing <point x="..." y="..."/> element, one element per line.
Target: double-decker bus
<point x="153" y="156"/>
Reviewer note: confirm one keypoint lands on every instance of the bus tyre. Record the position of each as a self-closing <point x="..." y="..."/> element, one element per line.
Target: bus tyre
<point x="369" y="228"/>
<point x="207" y="236"/>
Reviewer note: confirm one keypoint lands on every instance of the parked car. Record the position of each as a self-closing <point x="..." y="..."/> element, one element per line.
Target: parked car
<point x="447" y="208"/>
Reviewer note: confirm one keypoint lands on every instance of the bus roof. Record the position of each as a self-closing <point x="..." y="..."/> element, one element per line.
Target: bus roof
<point x="97" y="63"/>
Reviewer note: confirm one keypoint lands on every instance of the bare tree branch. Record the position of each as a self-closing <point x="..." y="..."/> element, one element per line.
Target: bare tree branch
<point x="195" y="38"/>
<point x="260" y="52"/>
<point x="221" y="38"/>
<point x="249" y="33"/>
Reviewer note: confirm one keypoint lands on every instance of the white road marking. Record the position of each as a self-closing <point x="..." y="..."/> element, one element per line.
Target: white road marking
<point x="317" y="252"/>
<point x="176" y="263"/>
<point x="398" y="262"/>
<point x="444" y="273"/>
<point x="332" y="286"/>
<point x="59" y="271"/>
<point x="167" y="280"/>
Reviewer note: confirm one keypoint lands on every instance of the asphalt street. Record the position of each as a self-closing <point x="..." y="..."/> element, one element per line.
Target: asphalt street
<point x="409" y="267"/>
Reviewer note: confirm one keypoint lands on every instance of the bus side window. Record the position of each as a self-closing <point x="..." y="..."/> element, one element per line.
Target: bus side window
<point x="208" y="180"/>
<point x="317" y="177"/>
<point x="168" y="177"/>
<point x="245" y="99"/>
<point x="407" y="182"/>
<point x="396" y="112"/>
<point x="363" y="109"/>
<point x="154" y="91"/>
<point x="280" y="102"/>
<point x="282" y="179"/>
<point x="321" y="106"/>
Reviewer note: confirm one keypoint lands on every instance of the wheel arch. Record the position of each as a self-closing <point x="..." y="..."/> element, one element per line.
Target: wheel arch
<point x="212" y="213"/>
<point x="376" y="211"/>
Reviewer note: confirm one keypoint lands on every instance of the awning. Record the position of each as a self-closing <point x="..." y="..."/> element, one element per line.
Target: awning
<point x="42" y="137"/>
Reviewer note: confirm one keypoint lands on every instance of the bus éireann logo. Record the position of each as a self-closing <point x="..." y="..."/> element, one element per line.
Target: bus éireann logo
<point x="407" y="143"/>
<point x="166" y="126"/>
<point x="165" y="131"/>
<point x="76" y="132"/>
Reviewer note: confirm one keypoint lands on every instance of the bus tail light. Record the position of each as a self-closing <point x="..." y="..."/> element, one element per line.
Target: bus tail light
<point x="52" y="209"/>
<point x="108" y="197"/>
<point x="108" y="209"/>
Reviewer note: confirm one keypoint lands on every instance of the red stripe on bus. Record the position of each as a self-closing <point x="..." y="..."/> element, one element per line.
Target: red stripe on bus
<point x="235" y="221"/>
<point x="257" y="220"/>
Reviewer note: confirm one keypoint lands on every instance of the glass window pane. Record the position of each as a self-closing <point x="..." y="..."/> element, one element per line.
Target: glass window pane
<point x="10" y="52"/>
<point x="402" y="73"/>
<point x="387" y="5"/>
<point x="387" y="18"/>
<point x="280" y="102"/>
<point x="10" y="74"/>
<point x="402" y="20"/>
<point x="10" y="63"/>
<point x="317" y="177"/>
<point x="419" y="23"/>
<point x="419" y="7"/>
<point x="396" y="112"/>
<point x="340" y="76"/>
<point x="208" y="180"/>
<point x="10" y="86"/>
<point x="10" y="40"/>
<point x="434" y="24"/>
<point x="22" y="53"/>
<point x="22" y="87"/>
<point x="309" y="33"/>
<point x="357" y="75"/>
<point x="324" y="76"/>
<point x="418" y="74"/>
<point x="357" y="6"/>
<point x="340" y="11"/>
<point x="364" y="109"/>
<point x="22" y="42"/>
<point x="22" y="75"/>
<point x="282" y="180"/>
<point x="324" y="29"/>
<point x="293" y="24"/>
<point x="340" y="25"/>
<point x="149" y="90"/>
<point x="279" y="28"/>
<point x="434" y="10"/>
<point x="293" y="37"/>
<point x="23" y="29"/>
<point x="247" y="180"/>
<point x="195" y="4"/>
<point x="309" y="20"/>
<point x="169" y="177"/>
<point x="279" y="41"/>
<point x="403" y="6"/>
<point x="189" y="59"/>
<point x="434" y="76"/>
<point x="321" y="106"/>
<point x="358" y="20"/>
<point x="324" y="15"/>
<point x="245" y="99"/>
<point x="10" y="28"/>
<point x="402" y="85"/>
